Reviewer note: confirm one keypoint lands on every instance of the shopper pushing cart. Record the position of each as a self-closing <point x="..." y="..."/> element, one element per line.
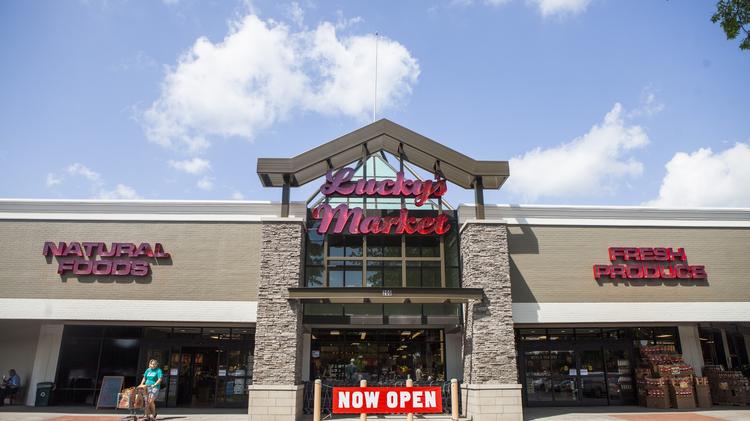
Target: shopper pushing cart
<point x="151" y="383"/>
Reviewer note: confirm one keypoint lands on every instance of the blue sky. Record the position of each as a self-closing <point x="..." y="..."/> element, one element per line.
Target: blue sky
<point x="597" y="102"/>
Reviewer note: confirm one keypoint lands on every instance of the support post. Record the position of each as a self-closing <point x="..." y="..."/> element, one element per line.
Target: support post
<point x="479" y="198"/>
<point x="285" y="197"/>
<point x="454" y="400"/>
<point x="409" y="383"/>
<point x="490" y="386"/>
<point x="363" y="416"/>
<point x="316" y="400"/>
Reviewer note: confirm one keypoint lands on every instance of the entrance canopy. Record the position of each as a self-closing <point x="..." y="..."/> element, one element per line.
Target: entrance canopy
<point x="383" y="135"/>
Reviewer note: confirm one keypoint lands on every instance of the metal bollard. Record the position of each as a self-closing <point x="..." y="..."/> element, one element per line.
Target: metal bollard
<point x="454" y="399"/>
<point x="409" y="383"/>
<point x="316" y="400"/>
<point x="363" y="416"/>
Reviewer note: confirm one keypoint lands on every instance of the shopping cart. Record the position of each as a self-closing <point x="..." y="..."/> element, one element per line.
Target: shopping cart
<point x="135" y="400"/>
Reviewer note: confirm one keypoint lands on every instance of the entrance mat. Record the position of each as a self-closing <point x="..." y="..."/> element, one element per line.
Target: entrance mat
<point x="686" y="416"/>
<point x="85" y="418"/>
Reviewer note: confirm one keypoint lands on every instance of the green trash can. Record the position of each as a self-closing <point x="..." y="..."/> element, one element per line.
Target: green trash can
<point x="43" y="392"/>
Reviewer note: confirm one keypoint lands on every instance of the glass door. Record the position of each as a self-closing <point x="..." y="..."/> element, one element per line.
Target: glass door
<point x="592" y="377"/>
<point x="538" y="378"/>
<point x="563" y="370"/>
<point x="619" y="376"/>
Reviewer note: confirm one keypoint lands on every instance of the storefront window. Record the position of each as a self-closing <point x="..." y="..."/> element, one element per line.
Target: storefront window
<point x="208" y="366"/>
<point x="382" y="357"/>
<point x="415" y="261"/>
<point x="712" y="346"/>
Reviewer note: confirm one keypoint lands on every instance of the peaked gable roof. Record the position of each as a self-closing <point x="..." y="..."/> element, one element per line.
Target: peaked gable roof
<point x="383" y="135"/>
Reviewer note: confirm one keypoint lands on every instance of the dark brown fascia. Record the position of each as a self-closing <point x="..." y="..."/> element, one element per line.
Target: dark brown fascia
<point x="393" y="295"/>
<point x="382" y="135"/>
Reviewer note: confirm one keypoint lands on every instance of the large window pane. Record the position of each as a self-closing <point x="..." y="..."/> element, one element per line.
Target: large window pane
<point x="384" y="246"/>
<point x="392" y="274"/>
<point x="335" y="273"/>
<point x="336" y="245"/>
<point x="422" y="246"/>
<point x="452" y="277"/>
<point x="423" y="274"/>
<point x="374" y="277"/>
<point x="323" y="309"/>
<point x="353" y="246"/>
<point x="431" y="274"/>
<point x="314" y="248"/>
<point x="314" y="276"/>
<point x="451" y="247"/>
<point x="353" y="274"/>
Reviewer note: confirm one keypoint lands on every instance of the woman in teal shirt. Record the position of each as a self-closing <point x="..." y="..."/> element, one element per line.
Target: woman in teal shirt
<point x="151" y="381"/>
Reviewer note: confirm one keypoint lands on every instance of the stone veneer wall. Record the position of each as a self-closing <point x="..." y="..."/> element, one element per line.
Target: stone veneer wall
<point x="276" y="393"/>
<point x="490" y="388"/>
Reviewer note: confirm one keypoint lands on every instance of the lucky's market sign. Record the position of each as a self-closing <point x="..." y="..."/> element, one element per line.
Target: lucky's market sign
<point x="340" y="184"/>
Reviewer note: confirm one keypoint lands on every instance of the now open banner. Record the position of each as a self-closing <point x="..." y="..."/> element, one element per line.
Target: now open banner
<point x="387" y="400"/>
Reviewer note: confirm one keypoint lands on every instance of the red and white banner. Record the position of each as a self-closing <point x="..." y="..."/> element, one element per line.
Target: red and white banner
<point x="387" y="400"/>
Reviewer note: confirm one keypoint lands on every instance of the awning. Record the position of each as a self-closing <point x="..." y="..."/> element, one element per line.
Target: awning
<point x="385" y="295"/>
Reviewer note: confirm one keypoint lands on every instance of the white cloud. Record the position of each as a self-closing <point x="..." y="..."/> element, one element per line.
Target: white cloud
<point x="97" y="184"/>
<point x="649" y="105"/>
<point x="296" y="14"/>
<point x="238" y="196"/>
<point x="205" y="183"/>
<point x="262" y="71"/>
<point x="191" y="166"/>
<point x="561" y="7"/>
<point x="86" y="172"/>
<point x="704" y="178"/>
<point x="121" y="191"/>
<point x="53" y="180"/>
<point x="594" y="163"/>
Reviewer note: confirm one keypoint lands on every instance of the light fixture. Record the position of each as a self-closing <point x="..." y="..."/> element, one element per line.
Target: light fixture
<point x="406" y="333"/>
<point x="362" y="335"/>
<point x="417" y="333"/>
<point x="334" y="332"/>
<point x="664" y="336"/>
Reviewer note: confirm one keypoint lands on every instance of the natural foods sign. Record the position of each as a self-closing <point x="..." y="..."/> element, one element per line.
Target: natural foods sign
<point x="649" y="263"/>
<point x="85" y="258"/>
<point x="387" y="400"/>
<point x="353" y="220"/>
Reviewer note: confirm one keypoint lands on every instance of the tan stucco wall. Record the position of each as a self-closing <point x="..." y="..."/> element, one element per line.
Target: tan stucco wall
<point x="554" y="263"/>
<point x="209" y="260"/>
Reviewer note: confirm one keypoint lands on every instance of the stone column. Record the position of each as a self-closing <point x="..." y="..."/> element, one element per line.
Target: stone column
<point x="490" y="389"/>
<point x="276" y="392"/>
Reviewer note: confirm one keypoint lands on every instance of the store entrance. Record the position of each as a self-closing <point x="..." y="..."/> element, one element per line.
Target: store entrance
<point x="380" y="356"/>
<point x="197" y="380"/>
<point x="560" y="369"/>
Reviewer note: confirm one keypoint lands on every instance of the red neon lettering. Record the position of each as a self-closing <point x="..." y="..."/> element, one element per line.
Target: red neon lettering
<point x="679" y="254"/>
<point x="698" y="272"/>
<point x="336" y="220"/>
<point x="340" y="183"/>
<point x="601" y="270"/>
<point x="51" y="248"/>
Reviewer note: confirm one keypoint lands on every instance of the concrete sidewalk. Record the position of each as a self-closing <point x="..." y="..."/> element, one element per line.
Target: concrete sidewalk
<point x="636" y="413"/>
<point x="612" y="413"/>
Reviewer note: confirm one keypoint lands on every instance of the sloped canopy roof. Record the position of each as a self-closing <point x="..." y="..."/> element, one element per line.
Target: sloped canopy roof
<point x="382" y="135"/>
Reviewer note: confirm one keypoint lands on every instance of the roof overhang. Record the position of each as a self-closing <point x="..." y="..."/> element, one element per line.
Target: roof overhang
<point x="385" y="295"/>
<point x="382" y="135"/>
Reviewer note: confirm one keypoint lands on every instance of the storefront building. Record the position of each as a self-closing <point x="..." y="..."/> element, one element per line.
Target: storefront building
<point x="376" y="277"/>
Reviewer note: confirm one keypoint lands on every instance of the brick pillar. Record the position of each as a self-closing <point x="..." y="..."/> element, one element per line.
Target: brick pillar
<point x="276" y="392"/>
<point x="490" y="388"/>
